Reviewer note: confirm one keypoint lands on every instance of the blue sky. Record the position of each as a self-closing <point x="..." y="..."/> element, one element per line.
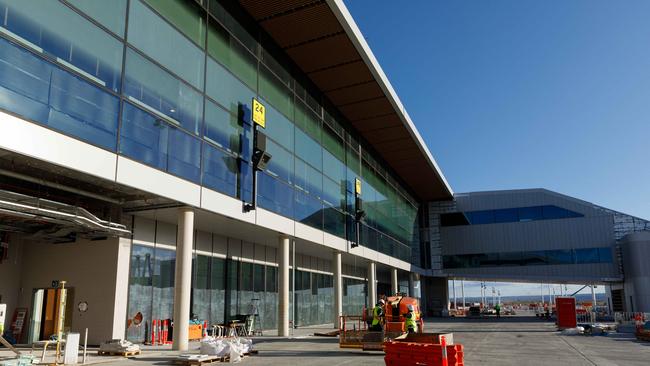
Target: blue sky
<point x="523" y="94"/>
<point x="473" y="288"/>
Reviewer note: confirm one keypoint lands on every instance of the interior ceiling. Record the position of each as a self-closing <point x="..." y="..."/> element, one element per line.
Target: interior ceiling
<point x="312" y="36"/>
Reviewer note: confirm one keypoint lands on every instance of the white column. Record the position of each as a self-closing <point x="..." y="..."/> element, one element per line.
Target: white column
<point x="372" y="284"/>
<point x="394" y="285"/>
<point x="283" y="286"/>
<point x="338" y="287"/>
<point x="183" y="278"/>
<point x="121" y="288"/>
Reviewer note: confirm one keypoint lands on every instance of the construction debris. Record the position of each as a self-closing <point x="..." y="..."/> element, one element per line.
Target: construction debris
<point x="118" y="347"/>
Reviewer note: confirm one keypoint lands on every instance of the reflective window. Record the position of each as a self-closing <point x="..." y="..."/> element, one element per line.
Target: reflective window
<point x="308" y="150"/>
<point x="534" y="258"/>
<point x="587" y="255"/>
<point x="279" y="128"/>
<point x="560" y="256"/>
<point x="506" y="215"/>
<point x="110" y="14"/>
<point x="275" y="195"/>
<point x="276" y="92"/>
<point x="307" y="178"/>
<point x="481" y="217"/>
<point x="157" y="91"/>
<point x="226" y="89"/>
<point x="281" y="164"/>
<point x="185" y="16"/>
<point x="605" y="255"/>
<point x="222" y="128"/>
<point x="148" y="139"/>
<point x="510" y="258"/>
<point x="219" y="170"/>
<point x="232" y="54"/>
<point x="42" y="92"/>
<point x="177" y="53"/>
<point x="334" y="221"/>
<point x="52" y="28"/>
<point x="308" y="210"/>
<point x="530" y="213"/>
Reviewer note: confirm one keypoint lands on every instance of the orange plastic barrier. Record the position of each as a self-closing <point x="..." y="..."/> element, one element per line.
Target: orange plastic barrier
<point x="421" y="354"/>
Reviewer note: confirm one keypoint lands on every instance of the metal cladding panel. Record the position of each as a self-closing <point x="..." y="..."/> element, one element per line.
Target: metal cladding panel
<point x="355" y="93"/>
<point x="342" y="76"/>
<point x="299" y="27"/>
<point x="323" y="53"/>
<point x="378" y="122"/>
<point x="365" y="109"/>
<point x="268" y="8"/>
<point x="477" y="201"/>
<point x="585" y="232"/>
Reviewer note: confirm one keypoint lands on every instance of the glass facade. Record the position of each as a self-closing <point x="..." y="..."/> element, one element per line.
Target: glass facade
<point x="183" y="106"/>
<point x="540" y="257"/>
<point x="520" y="214"/>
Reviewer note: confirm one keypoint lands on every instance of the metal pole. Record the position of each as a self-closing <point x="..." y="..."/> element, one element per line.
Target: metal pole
<point x="85" y="346"/>
<point x="293" y="286"/>
<point x="462" y="292"/>
<point x="453" y="284"/>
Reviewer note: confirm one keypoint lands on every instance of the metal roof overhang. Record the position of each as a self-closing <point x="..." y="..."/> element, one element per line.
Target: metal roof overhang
<point x="324" y="41"/>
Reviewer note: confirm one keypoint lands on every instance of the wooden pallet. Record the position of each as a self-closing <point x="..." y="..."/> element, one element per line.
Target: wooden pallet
<point x="210" y="359"/>
<point x="114" y="353"/>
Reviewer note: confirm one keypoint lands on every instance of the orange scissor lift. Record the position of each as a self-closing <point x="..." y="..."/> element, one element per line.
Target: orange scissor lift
<point x="354" y="332"/>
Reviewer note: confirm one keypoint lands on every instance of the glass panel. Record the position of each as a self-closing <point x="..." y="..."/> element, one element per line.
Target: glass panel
<point x="334" y="222"/>
<point x="308" y="150"/>
<point x="53" y="28"/>
<point x="276" y="92"/>
<point x="226" y="89"/>
<point x="506" y="215"/>
<point x="185" y="16"/>
<point x="308" y="210"/>
<point x="232" y="54"/>
<point x="334" y="193"/>
<point x="177" y="53"/>
<point x="201" y="288"/>
<point x="163" y="284"/>
<point x="39" y="91"/>
<point x="560" y="256"/>
<point x="281" y="164"/>
<point x="275" y="195"/>
<point x="157" y="91"/>
<point x="530" y="213"/>
<point x="144" y="137"/>
<point x="605" y="255"/>
<point x="534" y="258"/>
<point x="481" y="217"/>
<point x="219" y="170"/>
<point x="510" y="258"/>
<point x="218" y="290"/>
<point x="184" y="155"/>
<point x="110" y="14"/>
<point x="140" y="292"/>
<point x="308" y="179"/>
<point x="587" y="255"/>
<point x="279" y="128"/>
<point x="222" y="128"/>
<point x="270" y="299"/>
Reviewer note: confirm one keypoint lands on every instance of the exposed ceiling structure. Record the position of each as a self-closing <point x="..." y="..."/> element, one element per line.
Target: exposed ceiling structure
<point x="323" y="40"/>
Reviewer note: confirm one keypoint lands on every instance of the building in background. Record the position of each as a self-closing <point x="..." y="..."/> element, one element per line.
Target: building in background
<point x="538" y="236"/>
<point x="126" y="144"/>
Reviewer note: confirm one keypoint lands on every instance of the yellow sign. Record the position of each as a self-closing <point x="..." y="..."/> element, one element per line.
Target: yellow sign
<point x="259" y="113"/>
<point x="357" y="186"/>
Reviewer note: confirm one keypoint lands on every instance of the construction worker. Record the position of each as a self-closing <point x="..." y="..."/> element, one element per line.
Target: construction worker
<point x="377" y="315"/>
<point x="497" y="308"/>
<point x="410" y="323"/>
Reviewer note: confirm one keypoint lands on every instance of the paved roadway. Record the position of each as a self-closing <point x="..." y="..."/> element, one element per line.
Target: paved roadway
<point x="506" y="341"/>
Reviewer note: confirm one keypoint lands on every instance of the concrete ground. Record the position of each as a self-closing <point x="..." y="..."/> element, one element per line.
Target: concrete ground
<point x="507" y="341"/>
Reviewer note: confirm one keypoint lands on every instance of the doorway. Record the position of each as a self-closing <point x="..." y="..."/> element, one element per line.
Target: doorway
<point x="45" y="311"/>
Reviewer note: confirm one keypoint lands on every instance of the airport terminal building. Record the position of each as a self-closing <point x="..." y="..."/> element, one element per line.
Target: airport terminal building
<point x="130" y="140"/>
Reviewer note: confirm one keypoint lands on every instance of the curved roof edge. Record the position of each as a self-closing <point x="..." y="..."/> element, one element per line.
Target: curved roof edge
<point x="354" y="33"/>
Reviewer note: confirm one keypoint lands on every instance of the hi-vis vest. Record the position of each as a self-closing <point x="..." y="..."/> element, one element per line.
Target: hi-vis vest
<point x="376" y="313"/>
<point x="410" y="322"/>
